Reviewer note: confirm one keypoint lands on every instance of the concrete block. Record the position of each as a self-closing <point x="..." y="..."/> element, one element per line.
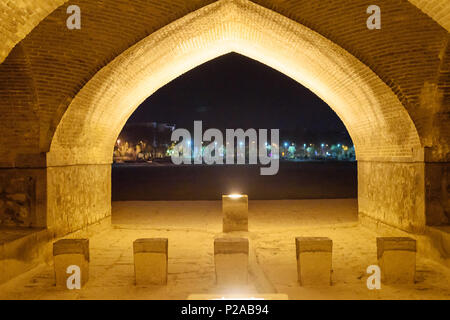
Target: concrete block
<point x="150" y="261"/>
<point x="231" y="261"/>
<point x="314" y="260"/>
<point x="67" y="253"/>
<point x="235" y="213"/>
<point x="397" y="259"/>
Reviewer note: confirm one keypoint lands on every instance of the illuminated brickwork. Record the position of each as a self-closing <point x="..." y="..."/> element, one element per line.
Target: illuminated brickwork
<point x="378" y="123"/>
<point x="65" y="94"/>
<point x="439" y="10"/>
<point x="107" y="35"/>
<point x="19" y="17"/>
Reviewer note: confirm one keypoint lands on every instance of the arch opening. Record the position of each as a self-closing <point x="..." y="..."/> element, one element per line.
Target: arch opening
<point x="378" y="123"/>
<point x="385" y="138"/>
<point x="232" y="92"/>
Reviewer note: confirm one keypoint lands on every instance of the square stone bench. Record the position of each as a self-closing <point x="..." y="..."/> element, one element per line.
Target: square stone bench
<point x="231" y="261"/>
<point x="235" y="213"/>
<point x="151" y="261"/>
<point x="68" y="256"/>
<point x="397" y="259"/>
<point x="314" y="260"/>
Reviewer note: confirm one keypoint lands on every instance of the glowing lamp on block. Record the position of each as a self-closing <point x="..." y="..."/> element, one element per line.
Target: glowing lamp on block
<point x="235" y="212"/>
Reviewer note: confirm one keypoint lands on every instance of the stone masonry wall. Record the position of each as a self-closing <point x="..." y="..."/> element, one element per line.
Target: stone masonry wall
<point x="22" y="198"/>
<point x="393" y="193"/>
<point x="437" y="193"/>
<point x="77" y="196"/>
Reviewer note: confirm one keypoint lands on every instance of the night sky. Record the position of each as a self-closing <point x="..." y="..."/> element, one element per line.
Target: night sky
<point x="233" y="91"/>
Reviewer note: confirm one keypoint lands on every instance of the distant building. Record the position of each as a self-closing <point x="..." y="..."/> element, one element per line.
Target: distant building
<point x="143" y="141"/>
<point x="154" y="133"/>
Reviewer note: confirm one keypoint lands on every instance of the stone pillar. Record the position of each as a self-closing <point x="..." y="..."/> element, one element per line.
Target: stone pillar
<point x="151" y="261"/>
<point x="392" y="193"/>
<point x="397" y="259"/>
<point x="68" y="253"/>
<point x="77" y="196"/>
<point x="314" y="255"/>
<point x="235" y="213"/>
<point x="231" y="260"/>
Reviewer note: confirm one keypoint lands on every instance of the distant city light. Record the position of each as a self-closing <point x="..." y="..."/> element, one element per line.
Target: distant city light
<point x="291" y="150"/>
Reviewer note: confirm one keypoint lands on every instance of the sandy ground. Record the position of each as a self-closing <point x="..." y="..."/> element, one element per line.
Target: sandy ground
<point x="191" y="228"/>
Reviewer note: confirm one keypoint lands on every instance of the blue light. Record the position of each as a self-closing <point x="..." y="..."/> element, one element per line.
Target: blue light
<point x="286" y="144"/>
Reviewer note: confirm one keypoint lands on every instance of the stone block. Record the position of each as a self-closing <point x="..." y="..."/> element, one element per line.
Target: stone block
<point x="151" y="261"/>
<point x="397" y="259"/>
<point x="231" y="261"/>
<point x="68" y="253"/>
<point x="314" y="260"/>
<point x="235" y="213"/>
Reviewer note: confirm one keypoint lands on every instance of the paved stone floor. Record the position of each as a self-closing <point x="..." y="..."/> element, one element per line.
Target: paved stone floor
<point x="191" y="228"/>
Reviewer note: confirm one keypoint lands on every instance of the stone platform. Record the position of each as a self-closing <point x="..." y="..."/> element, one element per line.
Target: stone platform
<point x="191" y="261"/>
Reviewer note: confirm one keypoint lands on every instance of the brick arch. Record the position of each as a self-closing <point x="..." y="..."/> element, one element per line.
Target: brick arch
<point x="406" y="54"/>
<point x="439" y="10"/>
<point x="378" y="123"/>
<point x="20" y="17"/>
<point x="386" y="140"/>
<point x="385" y="86"/>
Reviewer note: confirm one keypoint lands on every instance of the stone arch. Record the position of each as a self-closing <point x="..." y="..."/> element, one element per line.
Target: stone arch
<point x="402" y="74"/>
<point x="386" y="140"/>
<point x="19" y="18"/>
<point x="406" y="55"/>
<point x="378" y="123"/>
